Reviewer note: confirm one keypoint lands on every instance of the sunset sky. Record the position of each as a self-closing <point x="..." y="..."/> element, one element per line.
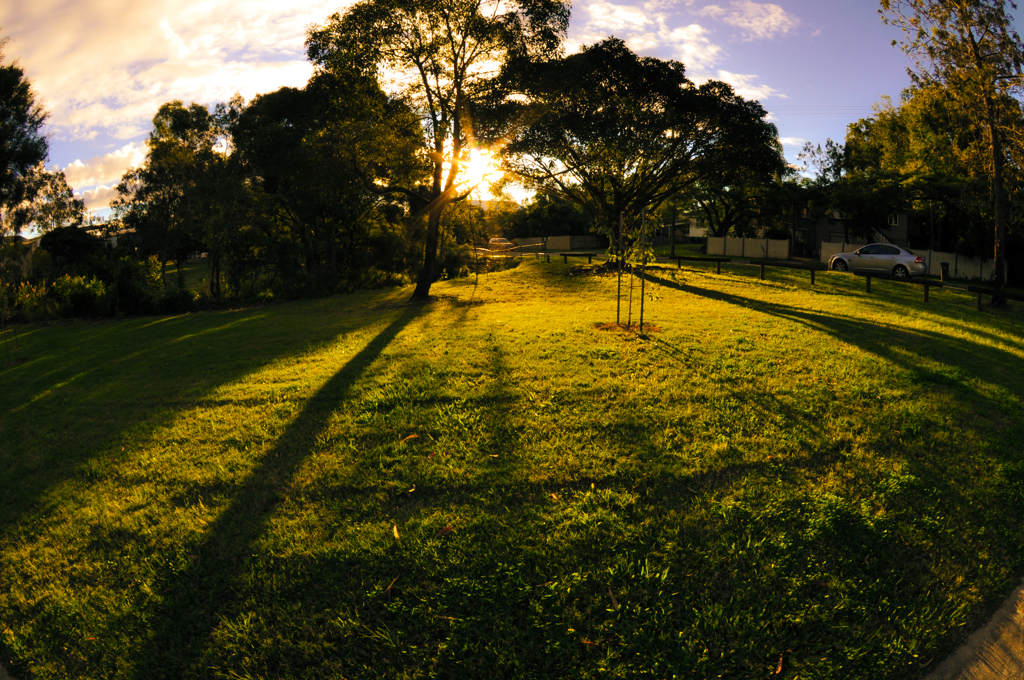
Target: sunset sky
<point x="103" y="67"/>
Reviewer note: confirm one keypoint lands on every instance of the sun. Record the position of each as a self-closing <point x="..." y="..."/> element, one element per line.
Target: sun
<point x="480" y="172"/>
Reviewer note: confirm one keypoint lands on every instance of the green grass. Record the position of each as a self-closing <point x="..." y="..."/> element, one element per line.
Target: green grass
<point x="488" y="485"/>
<point x="689" y="249"/>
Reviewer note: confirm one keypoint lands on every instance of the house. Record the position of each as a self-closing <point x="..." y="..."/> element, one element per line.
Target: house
<point x="810" y="230"/>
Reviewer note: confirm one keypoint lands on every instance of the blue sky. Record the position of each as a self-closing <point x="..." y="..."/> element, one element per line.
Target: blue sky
<point x="103" y="67"/>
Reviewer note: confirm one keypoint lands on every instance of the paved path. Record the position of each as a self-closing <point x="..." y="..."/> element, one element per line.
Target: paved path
<point x="996" y="652"/>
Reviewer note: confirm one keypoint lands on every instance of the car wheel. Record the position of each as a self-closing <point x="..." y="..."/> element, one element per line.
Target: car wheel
<point x="900" y="272"/>
<point x="840" y="265"/>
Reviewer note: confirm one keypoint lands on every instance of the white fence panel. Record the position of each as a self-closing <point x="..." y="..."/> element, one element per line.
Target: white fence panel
<point x="960" y="267"/>
<point x="716" y="245"/>
<point x="559" y="243"/>
<point x="828" y="249"/>
<point x="734" y="247"/>
<point x="755" y="247"/>
<point x="778" y="249"/>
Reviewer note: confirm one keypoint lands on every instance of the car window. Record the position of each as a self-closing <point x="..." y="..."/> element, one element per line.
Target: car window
<point x="868" y="250"/>
<point x="888" y="250"/>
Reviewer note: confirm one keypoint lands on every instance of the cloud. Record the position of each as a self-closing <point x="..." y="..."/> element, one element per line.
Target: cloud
<point x="106" y="169"/>
<point x="98" y="198"/>
<point x="107" y="65"/>
<point x="757" y="21"/>
<point x="645" y="29"/>
<point x="793" y="141"/>
<point x="745" y="86"/>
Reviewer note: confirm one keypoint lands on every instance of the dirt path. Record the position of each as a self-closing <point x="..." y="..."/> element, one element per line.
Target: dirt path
<point x="996" y="652"/>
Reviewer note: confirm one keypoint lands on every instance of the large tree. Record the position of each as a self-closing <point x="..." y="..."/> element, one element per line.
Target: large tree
<point x="22" y="144"/>
<point x="616" y="133"/>
<point x="167" y="201"/>
<point x="313" y="153"/>
<point x="971" y="47"/>
<point x="443" y="56"/>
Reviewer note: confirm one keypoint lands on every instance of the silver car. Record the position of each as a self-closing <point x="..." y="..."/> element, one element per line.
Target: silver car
<point x="880" y="258"/>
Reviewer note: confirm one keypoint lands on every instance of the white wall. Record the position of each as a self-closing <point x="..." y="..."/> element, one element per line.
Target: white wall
<point x="758" y="248"/>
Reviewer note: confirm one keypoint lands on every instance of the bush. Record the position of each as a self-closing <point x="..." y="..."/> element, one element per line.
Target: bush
<point x="78" y="296"/>
<point x="30" y="302"/>
<point x="455" y="261"/>
<point x="177" y="300"/>
<point x="137" y="285"/>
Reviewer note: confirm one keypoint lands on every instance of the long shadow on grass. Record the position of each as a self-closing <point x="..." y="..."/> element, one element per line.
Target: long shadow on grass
<point x="991" y="364"/>
<point x="196" y="597"/>
<point x="92" y="388"/>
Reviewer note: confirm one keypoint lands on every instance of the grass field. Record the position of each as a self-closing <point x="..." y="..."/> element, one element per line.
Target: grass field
<point x="780" y="481"/>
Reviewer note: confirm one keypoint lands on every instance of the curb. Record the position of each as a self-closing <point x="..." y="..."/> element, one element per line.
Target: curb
<point x="996" y="652"/>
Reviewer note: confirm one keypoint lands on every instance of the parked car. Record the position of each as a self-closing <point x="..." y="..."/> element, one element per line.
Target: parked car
<point x="495" y="244"/>
<point x="881" y="258"/>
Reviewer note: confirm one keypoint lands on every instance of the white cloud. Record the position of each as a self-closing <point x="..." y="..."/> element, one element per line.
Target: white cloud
<point x="756" y="20"/>
<point x="106" y="169"/>
<point x="793" y="141"/>
<point x="98" y="198"/>
<point x="107" y="65"/>
<point x="745" y="86"/>
<point x="645" y="29"/>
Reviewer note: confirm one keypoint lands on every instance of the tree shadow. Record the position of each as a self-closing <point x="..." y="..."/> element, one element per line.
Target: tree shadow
<point x="180" y="629"/>
<point x="882" y="339"/>
<point x="92" y="388"/>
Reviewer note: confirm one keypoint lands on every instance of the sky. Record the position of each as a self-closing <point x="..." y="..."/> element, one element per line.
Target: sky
<point x="102" y="68"/>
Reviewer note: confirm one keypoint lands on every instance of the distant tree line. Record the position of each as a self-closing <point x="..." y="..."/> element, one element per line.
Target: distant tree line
<point x="341" y="185"/>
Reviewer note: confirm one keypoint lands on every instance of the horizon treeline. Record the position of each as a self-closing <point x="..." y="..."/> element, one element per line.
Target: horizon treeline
<point x="339" y="185"/>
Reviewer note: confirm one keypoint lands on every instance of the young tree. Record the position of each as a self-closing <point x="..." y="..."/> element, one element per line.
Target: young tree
<point x="443" y="56"/>
<point x="971" y="47"/>
<point x="22" y="144"/>
<point x="617" y="134"/>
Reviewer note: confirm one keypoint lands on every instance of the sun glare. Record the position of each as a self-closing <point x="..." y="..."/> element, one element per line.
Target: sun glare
<point x="479" y="173"/>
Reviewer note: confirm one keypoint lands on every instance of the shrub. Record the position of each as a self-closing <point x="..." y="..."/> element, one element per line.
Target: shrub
<point x="137" y="285"/>
<point x="177" y="300"/>
<point x="78" y="295"/>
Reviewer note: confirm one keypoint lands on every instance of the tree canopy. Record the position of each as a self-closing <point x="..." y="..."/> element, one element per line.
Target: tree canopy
<point x="22" y="144"/>
<point x="971" y="47"/>
<point x="445" y="57"/>
<point x="616" y="133"/>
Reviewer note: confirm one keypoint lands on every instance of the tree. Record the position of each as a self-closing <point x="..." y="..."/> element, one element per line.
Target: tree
<point x="167" y="200"/>
<point x="22" y="145"/>
<point x="443" y="55"/>
<point x="313" y="154"/>
<point x="616" y="133"/>
<point x="969" y="46"/>
<point x="47" y="203"/>
<point x="926" y="153"/>
<point x="548" y="215"/>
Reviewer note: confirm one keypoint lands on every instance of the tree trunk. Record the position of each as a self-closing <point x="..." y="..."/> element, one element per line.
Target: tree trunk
<point x="999" y="200"/>
<point x="426" y="276"/>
